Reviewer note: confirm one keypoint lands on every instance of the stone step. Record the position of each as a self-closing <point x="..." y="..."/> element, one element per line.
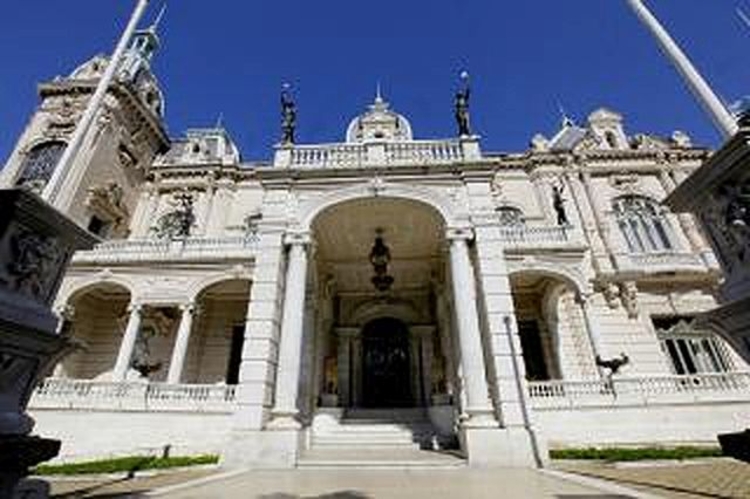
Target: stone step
<point x="374" y="428"/>
<point x="385" y="415"/>
<point x="379" y="458"/>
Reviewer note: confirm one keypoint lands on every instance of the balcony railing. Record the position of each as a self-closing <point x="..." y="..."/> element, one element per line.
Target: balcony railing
<point x="652" y="390"/>
<point x="417" y="152"/>
<point x="59" y="393"/>
<point x="663" y="261"/>
<point x="523" y="236"/>
<point x="329" y="156"/>
<point x="193" y="248"/>
<point x="423" y="152"/>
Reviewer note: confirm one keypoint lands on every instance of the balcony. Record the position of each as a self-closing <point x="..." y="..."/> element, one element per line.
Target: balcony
<point x="377" y="153"/>
<point x="160" y="250"/>
<point x="641" y="391"/>
<point x="660" y="262"/>
<point x="59" y="393"/>
<point x="522" y="237"/>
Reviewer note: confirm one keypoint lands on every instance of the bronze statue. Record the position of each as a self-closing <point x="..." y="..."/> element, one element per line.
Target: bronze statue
<point x="288" y="116"/>
<point x="462" y="107"/>
<point x="558" y="203"/>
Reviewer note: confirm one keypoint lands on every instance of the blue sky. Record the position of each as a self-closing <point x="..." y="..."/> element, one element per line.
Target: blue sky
<point x="230" y="57"/>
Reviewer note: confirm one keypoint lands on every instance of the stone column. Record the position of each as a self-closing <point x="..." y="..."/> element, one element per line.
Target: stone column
<point x="478" y="408"/>
<point x="601" y="221"/>
<point x="343" y="369"/>
<point x="177" y="364"/>
<point x="285" y="409"/>
<point x="125" y="354"/>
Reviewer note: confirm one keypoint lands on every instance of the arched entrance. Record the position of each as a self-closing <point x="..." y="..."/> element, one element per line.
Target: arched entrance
<point x="380" y="321"/>
<point x="386" y="371"/>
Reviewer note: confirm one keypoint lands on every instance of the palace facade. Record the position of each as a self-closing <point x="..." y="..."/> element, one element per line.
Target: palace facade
<point x="383" y="292"/>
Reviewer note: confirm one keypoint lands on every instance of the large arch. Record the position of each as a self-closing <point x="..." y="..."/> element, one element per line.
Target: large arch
<point x="432" y="199"/>
<point x="96" y="315"/>
<point x="217" y="336"/>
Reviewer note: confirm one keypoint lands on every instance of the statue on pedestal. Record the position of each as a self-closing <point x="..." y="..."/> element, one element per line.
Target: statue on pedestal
<point x="558" y="203"/>
<point x="461" y="104"/>
<point x="288" y="116"/>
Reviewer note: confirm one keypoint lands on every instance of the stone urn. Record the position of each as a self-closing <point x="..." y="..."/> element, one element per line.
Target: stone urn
<point x="36" y="244"/>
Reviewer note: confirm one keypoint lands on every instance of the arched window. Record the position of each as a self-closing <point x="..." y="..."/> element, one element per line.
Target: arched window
<point x="643" y="224"/>
<point x="510" y="217"/>
<point x="40" y="162"/>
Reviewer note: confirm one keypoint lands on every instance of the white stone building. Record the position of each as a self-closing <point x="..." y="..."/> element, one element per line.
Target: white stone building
<point x="268" y="310"/>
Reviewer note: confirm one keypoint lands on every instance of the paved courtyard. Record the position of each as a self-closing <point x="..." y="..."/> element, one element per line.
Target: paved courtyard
<point x="709" y="478"/>
<point x="340" y="484"/>
<point x="393" y="484"/>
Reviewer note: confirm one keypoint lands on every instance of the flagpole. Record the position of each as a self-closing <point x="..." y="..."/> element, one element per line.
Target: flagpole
<point x="67" y="161"/>
<point x="722" y="119"/>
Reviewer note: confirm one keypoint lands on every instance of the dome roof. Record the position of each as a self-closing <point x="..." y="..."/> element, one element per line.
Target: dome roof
<point x="379" y="123"/>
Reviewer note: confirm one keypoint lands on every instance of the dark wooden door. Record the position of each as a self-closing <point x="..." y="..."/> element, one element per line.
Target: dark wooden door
<point x="386" y="373"/>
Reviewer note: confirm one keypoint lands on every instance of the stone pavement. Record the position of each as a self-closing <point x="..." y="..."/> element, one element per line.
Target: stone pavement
<point x="118" y="485"/>
<point x="694" y="479"/>
<point x="392" y="484"/>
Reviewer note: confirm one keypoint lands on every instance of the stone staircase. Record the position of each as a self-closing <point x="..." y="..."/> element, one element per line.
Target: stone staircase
<point x="377" y="438"/>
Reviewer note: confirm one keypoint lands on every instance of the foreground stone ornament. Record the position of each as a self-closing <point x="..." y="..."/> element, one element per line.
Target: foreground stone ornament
<point x="36" y="243"/>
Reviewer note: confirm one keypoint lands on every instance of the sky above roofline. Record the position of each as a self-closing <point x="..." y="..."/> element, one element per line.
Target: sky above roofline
<point x="527" y="60"/>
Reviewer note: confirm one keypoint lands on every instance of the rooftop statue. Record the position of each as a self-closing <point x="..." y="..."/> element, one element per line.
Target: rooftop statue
<point x="462" y="106"/>
<point x="288" y="116"/>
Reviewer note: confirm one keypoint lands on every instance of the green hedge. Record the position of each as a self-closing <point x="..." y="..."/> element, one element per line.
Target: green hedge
<point x="124" y="464"/>
<point x="636" y="454"/>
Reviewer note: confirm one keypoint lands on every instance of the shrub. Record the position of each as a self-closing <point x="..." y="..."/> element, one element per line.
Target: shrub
<point x="128" y="464"/>
<point x="636" y="454"/>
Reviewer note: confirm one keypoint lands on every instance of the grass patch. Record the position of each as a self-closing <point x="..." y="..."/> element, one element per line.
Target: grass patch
<point x="636" y="454"/>
<point x="124" y="464"/>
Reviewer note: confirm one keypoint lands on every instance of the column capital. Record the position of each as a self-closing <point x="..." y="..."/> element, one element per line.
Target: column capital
<point x="454" y="234"/>
<point x="136" y="307"/>
<point x="189" y="307"/>
<point x="297" y="239"/>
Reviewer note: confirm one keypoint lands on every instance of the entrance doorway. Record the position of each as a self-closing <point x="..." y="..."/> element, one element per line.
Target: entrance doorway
<point x="386" y="373"/>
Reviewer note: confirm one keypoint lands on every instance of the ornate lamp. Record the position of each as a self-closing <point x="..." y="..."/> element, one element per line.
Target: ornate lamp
<point x="380" y="257"/>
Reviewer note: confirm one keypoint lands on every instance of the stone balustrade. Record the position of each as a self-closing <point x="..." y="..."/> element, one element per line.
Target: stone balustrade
<point x="523" y="236"/>
<point x="329" y="156"/>
<point x="423" y="152"/>
<point x="663" y="261"/>
<point x="381" y="153"/>
<point x="194" y="248"/>
<point x="641" y="391"/>
<point x="60" y="393"/>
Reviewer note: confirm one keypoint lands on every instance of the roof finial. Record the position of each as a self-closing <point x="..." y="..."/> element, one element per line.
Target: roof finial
<point x="378" y="94"/>
<point x="155" y="25"/>
<point x="220" y="122"/>
<point x="566" y="120"/>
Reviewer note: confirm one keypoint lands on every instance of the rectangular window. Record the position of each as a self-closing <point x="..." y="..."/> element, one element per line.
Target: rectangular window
<point x="691" y="351"/>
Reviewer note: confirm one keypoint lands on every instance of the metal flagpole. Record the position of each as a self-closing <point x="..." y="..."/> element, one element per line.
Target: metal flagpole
<point x="64" y="166"/>
<point x="723" y="120"/>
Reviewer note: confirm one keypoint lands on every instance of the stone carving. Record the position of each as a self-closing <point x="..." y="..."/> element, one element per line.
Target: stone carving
<point x="629" y="294"/>
<point x="178" y="223"/>
<point x="107" y="202"/>
<point x="251" y="224"/>
<point x="625" y="183"/>
<point x="288" y="116"/>
<point x="34" y="262"/>
<point x="141" y="361"/>
<point x="461" y="104"/>
<point x="611" y="294"/>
